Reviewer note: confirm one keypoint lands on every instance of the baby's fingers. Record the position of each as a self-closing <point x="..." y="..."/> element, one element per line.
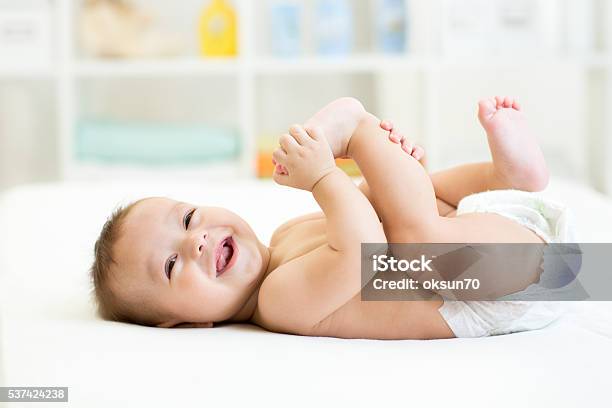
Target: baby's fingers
<point x="299" y="134"/>
<point x="287" y="143"/>
<point x="279" y="157"/>
<point x="281" y="179"/>
<point x="316" y="133"/>
<point x="280" y="169"/>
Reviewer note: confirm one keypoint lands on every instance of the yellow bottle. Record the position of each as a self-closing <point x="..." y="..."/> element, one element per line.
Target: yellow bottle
<point x="218" y="30"/>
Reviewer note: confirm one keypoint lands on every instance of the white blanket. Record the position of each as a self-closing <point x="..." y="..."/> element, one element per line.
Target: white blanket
<point x="50" y="336"/>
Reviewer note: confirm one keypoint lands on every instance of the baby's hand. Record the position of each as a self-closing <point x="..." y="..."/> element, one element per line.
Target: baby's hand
<point x="397" y="137"/>
<point x="303" y="159"/>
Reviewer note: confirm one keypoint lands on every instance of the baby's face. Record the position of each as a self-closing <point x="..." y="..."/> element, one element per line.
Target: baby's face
<point x="197" y="264"/>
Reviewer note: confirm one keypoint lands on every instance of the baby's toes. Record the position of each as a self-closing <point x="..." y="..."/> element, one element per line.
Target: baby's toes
<point x="486" y="108"/>
<point x="407" y="146"/>
<point x="418" y="152"/>
<point x="396" y="137"/>
<point x="508" y="102"/>
<point x="499" y="102"/>
<point x="386" y="125"/>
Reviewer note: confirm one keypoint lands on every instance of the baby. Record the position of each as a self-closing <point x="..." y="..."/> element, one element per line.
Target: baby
<point x="165" y="263"/>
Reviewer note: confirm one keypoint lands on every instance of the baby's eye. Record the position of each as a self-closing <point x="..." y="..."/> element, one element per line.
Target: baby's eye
<point x="187" y="218"/>
<point x="169" y="265"/>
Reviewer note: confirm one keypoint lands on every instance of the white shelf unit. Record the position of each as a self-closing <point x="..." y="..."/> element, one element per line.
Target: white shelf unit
<point x="74" y="72"/>
<point x="255" y="68"/>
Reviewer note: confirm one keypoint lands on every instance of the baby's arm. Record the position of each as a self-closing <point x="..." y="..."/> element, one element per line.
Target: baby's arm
<point x="310" y="166"/>
<point x="303" y="292"/>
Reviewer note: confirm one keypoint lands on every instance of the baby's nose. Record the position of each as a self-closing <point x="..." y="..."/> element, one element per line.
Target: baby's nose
<point x="200" y="243"/>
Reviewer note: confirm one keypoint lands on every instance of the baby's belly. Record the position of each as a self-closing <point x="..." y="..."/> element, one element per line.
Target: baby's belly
<point x="391" y="320"/>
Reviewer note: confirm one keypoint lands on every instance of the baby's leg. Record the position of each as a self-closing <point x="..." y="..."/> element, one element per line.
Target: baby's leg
<point x="338" y="121"/>
<point x="400" y="188"/>
<point x="454" y="184"/>
<point x="518" y="162"/>
<point x="444" y="209"/>
<point x="404" y="196"/>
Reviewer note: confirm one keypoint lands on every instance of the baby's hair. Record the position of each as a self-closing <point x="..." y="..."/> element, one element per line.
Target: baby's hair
<point x="110" y="305"/>
<point x="104" y="259"/>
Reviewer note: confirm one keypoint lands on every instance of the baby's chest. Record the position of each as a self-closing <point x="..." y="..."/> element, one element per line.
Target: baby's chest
<point x="299" y="240"/>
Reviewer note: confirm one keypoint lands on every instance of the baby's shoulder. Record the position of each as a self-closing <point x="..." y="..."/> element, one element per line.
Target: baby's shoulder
<point x="292" y="297"/>
<point x="292" y="223"/>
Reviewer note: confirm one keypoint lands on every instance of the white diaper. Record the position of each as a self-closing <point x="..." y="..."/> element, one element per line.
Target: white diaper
<point x="490" y="318"/>
<point x="551" y="221"/>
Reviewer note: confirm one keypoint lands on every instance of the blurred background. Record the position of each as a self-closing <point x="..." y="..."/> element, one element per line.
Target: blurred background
<point x="201" y="89"/>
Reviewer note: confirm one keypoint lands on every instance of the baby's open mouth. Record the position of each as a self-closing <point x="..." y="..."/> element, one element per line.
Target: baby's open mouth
<point x="224" y="255"/>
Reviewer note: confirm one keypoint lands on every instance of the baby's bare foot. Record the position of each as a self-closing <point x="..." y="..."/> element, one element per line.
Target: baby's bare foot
<point x="338" y="121"/>
<point x="517" y="157"/>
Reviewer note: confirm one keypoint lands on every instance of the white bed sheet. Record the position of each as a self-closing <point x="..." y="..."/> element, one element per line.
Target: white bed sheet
<point x="49" y="334"/>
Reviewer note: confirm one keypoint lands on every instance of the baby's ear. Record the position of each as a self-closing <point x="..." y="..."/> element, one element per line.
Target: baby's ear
<point x="193" y="325"/>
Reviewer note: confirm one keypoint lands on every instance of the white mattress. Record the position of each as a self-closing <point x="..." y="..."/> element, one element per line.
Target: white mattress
<point x="50" y="336"/>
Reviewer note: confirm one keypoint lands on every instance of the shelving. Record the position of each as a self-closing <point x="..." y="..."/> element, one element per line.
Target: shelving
<point x="178" y="67"/>
<point x="27" y="71"/>
<point x="28" y="118"/>
<point x="265" y="92"/>
<point x="271" y="65"/>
